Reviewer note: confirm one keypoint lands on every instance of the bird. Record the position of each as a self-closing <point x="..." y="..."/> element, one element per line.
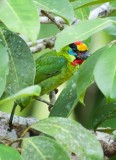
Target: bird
<point x="54" y="68"/>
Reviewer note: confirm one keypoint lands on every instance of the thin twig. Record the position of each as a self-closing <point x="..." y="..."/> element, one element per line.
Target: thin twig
<point x="17" y="140"/>
<point x="42" y="100"/>
<point x="59" y="25"/>
<point x="52" y="97"/>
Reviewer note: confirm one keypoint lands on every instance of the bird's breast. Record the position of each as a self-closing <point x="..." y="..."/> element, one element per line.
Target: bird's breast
<point x="72" y="58"/>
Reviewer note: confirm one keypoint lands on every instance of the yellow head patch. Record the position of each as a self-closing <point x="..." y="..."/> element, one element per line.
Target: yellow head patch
<point x="82" y="47"/>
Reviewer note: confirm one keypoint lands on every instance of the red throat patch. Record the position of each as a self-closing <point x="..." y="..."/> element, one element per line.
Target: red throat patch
<point x="77" y="62"/>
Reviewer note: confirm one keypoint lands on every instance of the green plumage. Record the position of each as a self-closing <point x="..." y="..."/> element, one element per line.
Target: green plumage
<point x="53" y="69"/>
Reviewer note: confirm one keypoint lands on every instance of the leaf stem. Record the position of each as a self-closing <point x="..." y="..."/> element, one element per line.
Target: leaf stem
<point x="11" y="116"/>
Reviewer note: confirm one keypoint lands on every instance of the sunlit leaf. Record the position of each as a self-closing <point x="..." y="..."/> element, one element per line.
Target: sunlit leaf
<point x="60" y="8"/>
<point x="3" y="68"/>
<point x="9" y="153"/>
<point x="80" y="31"/>
<point x="82" y="3"/>
<point x="21" y="63"/>
<point x="73" y="136"/>
<point x="43" y="148"/>
<point x="29" y="91"/>
<point x="113" y="4"/>
<point x="105" y="73"/>
<point x="111" y="30"/>
<point x="82" y="13"/>
<point x="20" y="16"/>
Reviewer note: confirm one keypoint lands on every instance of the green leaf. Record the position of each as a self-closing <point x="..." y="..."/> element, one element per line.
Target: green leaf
<point x="83" y="3"/>
<point x="105" y="73"/>
<point x="111" y="29"/>
<point x="113" y="4"/>
<point x="21" y="63"/>
<point x="60" y="8"/>
<point x="9" y="153"/>
<point x="43" y="148"/>
<point x="21" y="17"/>
<point x="73" y="136"/>
<point x="29" y="91"/>
<point x="3" y="68"/>
<point x="80" y="31"/>
<point x="82" y="13"/>
<point x="103" y="112"/>
<point x="76" y="86"/>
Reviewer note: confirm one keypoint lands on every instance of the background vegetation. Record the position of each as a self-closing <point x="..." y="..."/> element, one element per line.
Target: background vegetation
<point x="89" y="97"/>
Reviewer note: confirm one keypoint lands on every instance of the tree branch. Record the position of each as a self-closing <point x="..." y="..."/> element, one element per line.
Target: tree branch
<point x="46" y="20"/>
<point x="19" y="125"/>
<point x="102" y="11"/>
<point x="42" y="44"/>
<point x="108" y="143"/>
<point x="58" y="24"/>
<point x="109" y="149"/>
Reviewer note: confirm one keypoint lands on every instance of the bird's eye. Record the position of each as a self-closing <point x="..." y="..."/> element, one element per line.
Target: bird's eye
<point x="73" y="46"/>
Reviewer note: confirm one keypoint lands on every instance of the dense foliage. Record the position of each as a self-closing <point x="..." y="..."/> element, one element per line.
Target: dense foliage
<point x="17" y="73"/>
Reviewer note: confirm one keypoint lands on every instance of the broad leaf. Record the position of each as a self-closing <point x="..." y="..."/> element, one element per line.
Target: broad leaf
<point x="80" y="31"/>
<point x="21" y="62"/>
<point x="26" y="92"/>
<point x="111" y="30"/>
<point x="82" y="3"/>
<point x="76" y="86"/>
<point x="73" y="136"/>
<point x="20" y="16"/>
<point x="9" y="153"/>
<point x="82" y="13"/>
<point x="103" y="112"/>
<point x="60" y="8"/>
<point x="3" y="68"/>
<point x="105" y="73"/>
<point x="113" y="4"/>
<point x="43" y="148"/>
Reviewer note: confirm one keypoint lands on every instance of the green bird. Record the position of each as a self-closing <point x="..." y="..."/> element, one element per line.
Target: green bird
<point x="54" y="68"/>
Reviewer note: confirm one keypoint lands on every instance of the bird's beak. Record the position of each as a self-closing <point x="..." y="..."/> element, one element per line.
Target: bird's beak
<point x="83" y="56"/>
<point x="86" y="55"/>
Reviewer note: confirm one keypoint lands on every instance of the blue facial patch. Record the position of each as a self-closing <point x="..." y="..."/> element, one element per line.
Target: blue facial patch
<point x="71" y="52"/>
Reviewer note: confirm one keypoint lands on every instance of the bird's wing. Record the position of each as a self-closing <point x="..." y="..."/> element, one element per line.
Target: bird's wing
<point x="49" y="65"/>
